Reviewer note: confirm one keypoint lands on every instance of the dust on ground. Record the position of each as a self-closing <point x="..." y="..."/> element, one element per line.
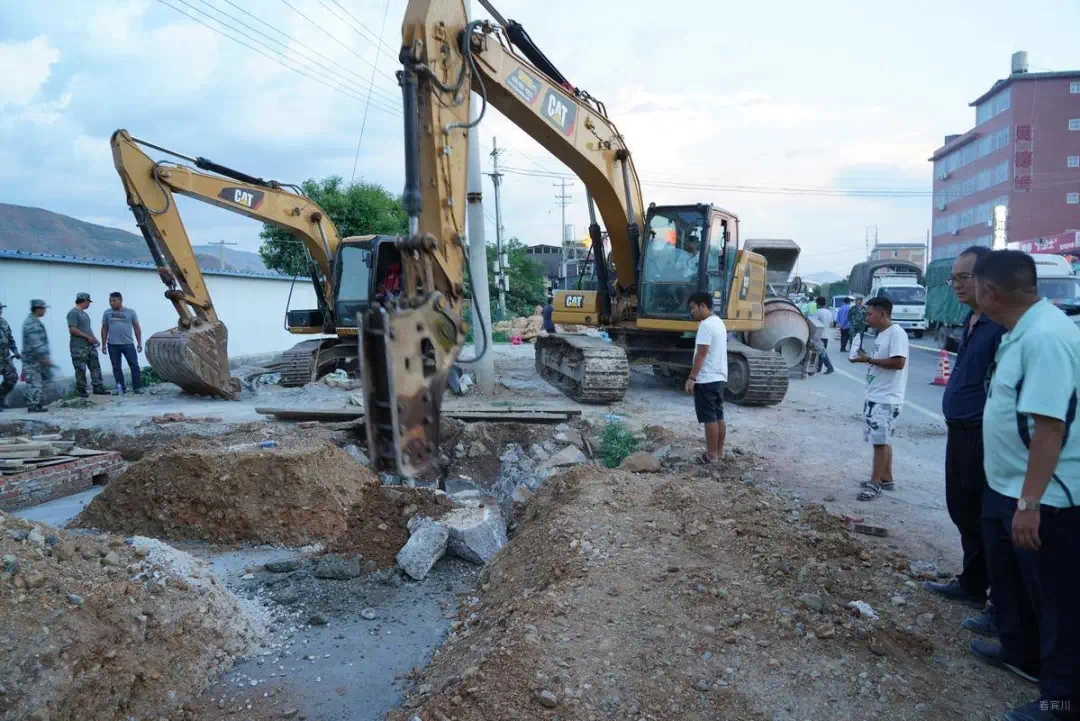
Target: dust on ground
<point x="697" y="596"/>
<point x="92" y="628"/>
<point x="293" y="494"/>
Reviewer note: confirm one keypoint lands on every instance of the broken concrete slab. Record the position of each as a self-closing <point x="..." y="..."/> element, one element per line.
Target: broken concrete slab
<point x="427" y="544"/>
<point x="475" y="533"/>
<point x="356" y="454"/>
<point x="337" y="567"/>
<point x="571" y="436"/>
<point x="641" y="462"/>
<point x="569" y="456"/>
<point x="539" y="452"/>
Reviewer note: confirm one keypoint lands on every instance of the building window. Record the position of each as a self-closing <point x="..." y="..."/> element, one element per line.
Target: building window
<point x="1072" y="198"/>
<point x="1074" y="124"/>
<point x="1074" y="88"/>
<point x="1073" y="161"/>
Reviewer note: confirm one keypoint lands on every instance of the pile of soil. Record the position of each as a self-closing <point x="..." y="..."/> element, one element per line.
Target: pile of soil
<point x="91" y="628"/>
<point x="289" y="495"/>
<point x="377" y="525"/>
<point x="697" y="596"/>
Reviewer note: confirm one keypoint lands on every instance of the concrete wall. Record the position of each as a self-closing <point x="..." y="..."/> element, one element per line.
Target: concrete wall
<point x="252" y="307"/>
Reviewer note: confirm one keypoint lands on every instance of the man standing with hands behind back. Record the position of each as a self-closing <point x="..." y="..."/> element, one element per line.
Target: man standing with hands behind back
<point x="708" y="376"/>
<point x="962" y="405"/>
<point x="82" y="346"/>
<point x="120" y="332"/>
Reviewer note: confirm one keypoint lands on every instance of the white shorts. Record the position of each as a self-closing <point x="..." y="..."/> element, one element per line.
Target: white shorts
<point x="879" y="422"/>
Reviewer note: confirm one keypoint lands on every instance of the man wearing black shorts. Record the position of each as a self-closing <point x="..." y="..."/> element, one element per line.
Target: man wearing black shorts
<point x="708" y="376"/>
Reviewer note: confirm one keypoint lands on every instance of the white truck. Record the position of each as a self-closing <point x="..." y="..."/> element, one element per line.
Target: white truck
<point x="1058" y="283"/>
<point x="908" y="297"/>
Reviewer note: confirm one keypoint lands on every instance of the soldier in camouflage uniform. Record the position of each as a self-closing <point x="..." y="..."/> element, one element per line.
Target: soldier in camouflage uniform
<point x="8" y="376"/>
<point x="83" y="346"/>
<point x="857" y="319"/>
<point x="37" y="364"/>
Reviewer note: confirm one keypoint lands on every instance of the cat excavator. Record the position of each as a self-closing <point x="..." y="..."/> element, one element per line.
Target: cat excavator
<point x="194" y="354"/>
<point x="660" y="255"/>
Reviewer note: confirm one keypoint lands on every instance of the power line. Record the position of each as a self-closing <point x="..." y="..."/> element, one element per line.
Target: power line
<point x="371" y="84"/>
<point x="393" y="98"/>
<point x="339" y="42"/>
<point x="380" y="45"/>
<point x="344" y="90"/>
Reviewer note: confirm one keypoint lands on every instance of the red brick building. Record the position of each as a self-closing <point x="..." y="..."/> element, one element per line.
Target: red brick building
<point x="1024" y="153"/>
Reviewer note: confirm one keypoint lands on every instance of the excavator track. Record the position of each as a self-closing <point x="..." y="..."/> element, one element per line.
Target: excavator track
<point x="755" y="378"/>
<point x="587" y="369"/>
<point x="309" y="360"/>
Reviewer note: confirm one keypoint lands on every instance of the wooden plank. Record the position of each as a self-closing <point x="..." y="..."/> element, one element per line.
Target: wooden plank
<point x="12" y="463"/>
<point x="51" y="462"/>
<point x="520" y="415"/>
<point x="82" y="452"/>
<point x="7" y="455"/>
<point x="34" y="446"/>
<point x="47" y="437"/>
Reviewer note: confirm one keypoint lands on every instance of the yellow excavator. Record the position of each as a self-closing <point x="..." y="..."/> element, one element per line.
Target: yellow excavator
<point x="660" y="255"/>
<point x="194" y="353"/>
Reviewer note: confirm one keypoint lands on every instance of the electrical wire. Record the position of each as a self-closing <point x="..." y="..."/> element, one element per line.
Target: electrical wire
<point x="380" y="45"/>
<point x="392" y="96"/>
<point x="363" y="123"/>
<point x="333" y="37"/>
<point x="343" y="90"/>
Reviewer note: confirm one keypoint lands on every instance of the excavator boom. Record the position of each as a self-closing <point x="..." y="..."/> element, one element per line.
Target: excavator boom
<point x="194" y="354"/>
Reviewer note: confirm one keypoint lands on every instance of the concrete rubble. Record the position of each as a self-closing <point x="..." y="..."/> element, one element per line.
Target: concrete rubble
<point x="426" y="545"/>
<point x="641" y="462"/>
<point x="569" y="456"/>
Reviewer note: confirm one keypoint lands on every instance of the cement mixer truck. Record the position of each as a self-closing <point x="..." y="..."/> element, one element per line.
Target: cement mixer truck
<point x="787" y="330"/>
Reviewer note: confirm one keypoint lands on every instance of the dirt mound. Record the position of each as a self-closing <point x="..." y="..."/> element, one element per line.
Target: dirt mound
<point x="92" y="628"/>
<point x="288" y="495"/>
<point x="377" y="525"/>
<point x="698" y="596"/>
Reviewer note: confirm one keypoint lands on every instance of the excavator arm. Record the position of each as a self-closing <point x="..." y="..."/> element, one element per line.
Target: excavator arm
<point x="409" y="348"/>
<point x="194" y="353"/>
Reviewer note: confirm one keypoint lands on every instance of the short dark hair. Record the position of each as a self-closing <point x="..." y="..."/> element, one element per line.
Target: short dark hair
<point x="882" y="304"/>
<point x="820" y="300"/>
<point x="1012" y="271"/>
<point x="115" y="294"/>
<point x="847" y="299"/>
<point x="979" y="251"/>
<point x="701" y="299"/>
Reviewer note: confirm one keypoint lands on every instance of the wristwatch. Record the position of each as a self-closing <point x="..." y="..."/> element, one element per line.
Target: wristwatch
<point x="1024" y="504"/>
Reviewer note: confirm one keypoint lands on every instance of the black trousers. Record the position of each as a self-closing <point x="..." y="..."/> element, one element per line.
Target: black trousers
<point x="965" y="480"/>
<point x="1035" y="595"/>
<point x="845" y="338"/>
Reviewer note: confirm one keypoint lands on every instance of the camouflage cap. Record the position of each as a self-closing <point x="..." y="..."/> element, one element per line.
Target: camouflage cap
<point x="81" y="297"/>
<point x="38" y="303"/>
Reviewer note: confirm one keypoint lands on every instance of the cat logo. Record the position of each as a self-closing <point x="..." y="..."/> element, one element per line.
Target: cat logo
<point x="575" y="301"/>
<point x="250" y="199"/>
<point x="560" y="112"/>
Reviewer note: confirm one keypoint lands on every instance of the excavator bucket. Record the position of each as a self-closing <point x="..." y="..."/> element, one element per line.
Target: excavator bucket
<point x="195" y="359"/>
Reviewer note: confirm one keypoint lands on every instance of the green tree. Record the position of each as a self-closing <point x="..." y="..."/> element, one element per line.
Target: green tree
<point x="526" y="280"/>
<point x="356" y="209"/>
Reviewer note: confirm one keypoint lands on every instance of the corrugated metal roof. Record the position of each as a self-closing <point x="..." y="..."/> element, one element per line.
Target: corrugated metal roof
<point x="134" y="265"/>
<point x="1002" y="84"/>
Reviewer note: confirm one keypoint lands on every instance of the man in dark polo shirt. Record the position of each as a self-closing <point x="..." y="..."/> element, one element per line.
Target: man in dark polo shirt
<point x="962" y="405"/>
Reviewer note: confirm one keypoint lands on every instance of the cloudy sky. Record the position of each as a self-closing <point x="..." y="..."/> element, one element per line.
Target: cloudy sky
<point x="827" y="96"/>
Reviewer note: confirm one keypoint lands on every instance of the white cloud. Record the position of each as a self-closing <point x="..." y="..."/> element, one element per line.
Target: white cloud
<point x="25" y="67"/>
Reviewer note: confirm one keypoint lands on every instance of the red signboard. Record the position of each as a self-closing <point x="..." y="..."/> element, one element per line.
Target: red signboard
<point x="1056" y="244"/>
<point x="1023" y="132"/>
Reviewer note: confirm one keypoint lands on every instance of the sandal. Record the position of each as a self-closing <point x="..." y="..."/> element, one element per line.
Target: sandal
<point x="869" y="492"/>
<point x="885" y="485"/>
<point x="704" y="460"/>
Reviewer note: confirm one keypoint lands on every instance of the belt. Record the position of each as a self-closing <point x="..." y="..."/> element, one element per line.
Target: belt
<point x="965" y="425"/>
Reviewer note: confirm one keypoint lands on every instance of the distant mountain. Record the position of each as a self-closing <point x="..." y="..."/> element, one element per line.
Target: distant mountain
<point x="35" y="230"/>
<point x="823" y="276"/>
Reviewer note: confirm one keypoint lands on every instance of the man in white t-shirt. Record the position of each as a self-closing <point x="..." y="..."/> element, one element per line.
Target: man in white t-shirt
<point x="824" y="316"/>
<point x="886" y="381"/>
<point x="708" y="377"/>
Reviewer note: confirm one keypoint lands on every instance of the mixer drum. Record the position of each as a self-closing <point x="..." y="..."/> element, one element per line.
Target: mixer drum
<point x="786" y="331"/>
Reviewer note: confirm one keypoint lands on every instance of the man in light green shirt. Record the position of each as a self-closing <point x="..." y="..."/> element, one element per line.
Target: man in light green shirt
<point x="1031" y="525"/>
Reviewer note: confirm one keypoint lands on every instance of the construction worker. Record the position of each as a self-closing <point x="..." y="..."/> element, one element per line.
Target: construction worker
<point x="8" y="376"/>
<point x="37" y="365"/>
<point x="83" y="345"/>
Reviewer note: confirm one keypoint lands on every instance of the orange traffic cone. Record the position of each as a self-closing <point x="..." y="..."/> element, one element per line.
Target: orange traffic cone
<point x="944" y="369"/>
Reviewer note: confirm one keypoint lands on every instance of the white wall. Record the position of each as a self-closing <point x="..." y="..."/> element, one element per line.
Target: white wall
<point x="252" y="308"/>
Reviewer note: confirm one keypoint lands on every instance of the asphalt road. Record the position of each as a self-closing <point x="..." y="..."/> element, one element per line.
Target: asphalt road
<point x="922" y="398"/>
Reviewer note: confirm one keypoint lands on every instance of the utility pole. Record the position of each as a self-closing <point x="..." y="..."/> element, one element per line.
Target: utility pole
<point x="501" y="263"/>
<point x="563" y="200"/>
<point x="481" y="305"/>
<point x="221" y="252"/>
<point x="871" y="239"/>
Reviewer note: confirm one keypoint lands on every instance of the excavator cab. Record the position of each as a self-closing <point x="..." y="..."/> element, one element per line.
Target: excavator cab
<point x="685" y="251"/>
